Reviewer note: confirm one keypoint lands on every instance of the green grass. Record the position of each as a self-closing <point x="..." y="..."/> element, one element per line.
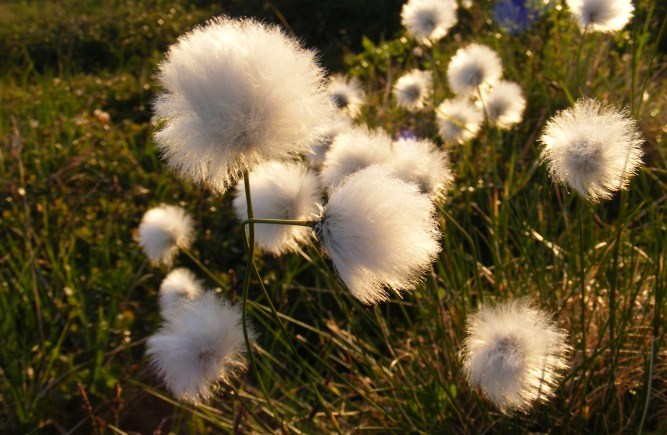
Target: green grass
<point x="78" y="299"/>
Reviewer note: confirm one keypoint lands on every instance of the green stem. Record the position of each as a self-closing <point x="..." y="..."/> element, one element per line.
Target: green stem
<point x="582" y="281"/>
<point x="250" y="242"/>
<point x="579" y="50"/>
<point x="302" y="223"/>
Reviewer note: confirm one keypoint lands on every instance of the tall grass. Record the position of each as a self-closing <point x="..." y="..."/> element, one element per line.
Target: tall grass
<point x="78" y="299"/>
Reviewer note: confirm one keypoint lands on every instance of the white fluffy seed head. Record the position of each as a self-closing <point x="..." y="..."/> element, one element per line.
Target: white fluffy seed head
<point x="162" y="231"/>
<point x="473" y="67"/>
<point x="178" y="287"/>
<point x="197" y="347"/>
<point x="428" y="21"/>
<point x="380" y="233"/>
<point x="353" y="150"/>
<point x="336" y="125"/>
<point x="458" y="120"/>
<point x="346" y="94"/>
<point x="515" y="353"/>
<point x="237" y="92"/>
<point x="593" y="149"/>
<point x="420" y="162"/>
<point x="601" y="15"/>
<point x="504" y="104"/>
<point x="280" y="190"/>
<point x="413" y="89"/>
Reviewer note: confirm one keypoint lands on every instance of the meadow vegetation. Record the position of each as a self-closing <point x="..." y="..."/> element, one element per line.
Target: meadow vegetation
<point x="79" y="167"/>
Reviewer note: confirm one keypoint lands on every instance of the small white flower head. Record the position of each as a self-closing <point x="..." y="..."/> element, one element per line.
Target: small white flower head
<point x="198" y="347"/>
<point x="346" y="94"/>
<point x="504" y="104"/>
<point x="337" y="124"/>
<point x="422" y="163"/>
<point x="237" y="92"/>
<point x="428" y="21"/>
<point x="353" y="150"/>
<point x="515" y="353"/>
<point x="601" y="15"/>
<point x="163" y="231"/>
<point x="380" y="233"/>
<point x="177" y="288"/>
<point x="593" y="149"/>
<point x="280" y="190"/>
<point x="458" y="120"/>
<point x="413" y="89"/>
<point x="473" y="67"/>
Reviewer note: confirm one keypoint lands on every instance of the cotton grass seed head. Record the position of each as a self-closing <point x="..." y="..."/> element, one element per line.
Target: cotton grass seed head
<point x="420" y="162"/>
<point x="200" y="346"/>
<point x="515" y="353"/>
<point x="504" y="104"/>
<point x="601" y="15"/>
<point x="162" y="231"/>
<point x="237" y="92"/>
<point x="336" y="125"/>
<point x="346" y="94"/>
<point x="428" y="21"/>
<point x="380" y="233"/>
<point x="473" y="67"/>
<point x="177" y="288"/>
<point x="458" y="120"/>
<point x="413" y="89"/>
<point x="592" y="148"/>
<point x="353" y="150"/>
<point x="280" y="190"/>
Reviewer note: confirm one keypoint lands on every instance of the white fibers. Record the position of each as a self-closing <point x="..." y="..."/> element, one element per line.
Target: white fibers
<point x="472" y="68"/>
<point x="199" y="346"/>
<point x="601" y="15"/>
<point x="162" y="231"/>
<point x="412" y="89"/>
<point x="353" y="150"/>
<point x="346" y="94"/>
<point x="504" y="104"/>
<point x="422" y="163"/>
<point x="593" y="149"/>
<point x="179" y="286"/>
<point x="280" y="190"/>
<point x="380" y="233"/>
<point x="237" y="92"/>
<point x="428" y="21"/>
<point x="458" y="120"/>
<point x="515" y="354"/>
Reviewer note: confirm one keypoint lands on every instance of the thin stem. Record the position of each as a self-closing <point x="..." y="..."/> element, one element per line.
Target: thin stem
<point x="648" y="385"/>
<point x="579" y="50"/>
<point x="582" y="281"/>
<point x="250" y="242"/>
<point x="302" y="223"/>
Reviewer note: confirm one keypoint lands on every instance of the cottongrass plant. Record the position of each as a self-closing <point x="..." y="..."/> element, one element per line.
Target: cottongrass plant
<point x="178" y="287"/>
<point x="515" y="353"/>
<point x="458" y="120"/>
<point x="163" y="231"/>
<point x="473" y="67"/>
<point x="198" y="346"/>
<point x="422" y="163"/>
<point x="283" y="191"/>
<point x="346" y="94"/>
<point x="605" y="16"/>
<point x="594" y="149"/>
<point x="503" y="104"/>
<point x="428" y="21"/>
<point x="337" y="124"/>
<point x="353" y="150"/>
<point x="412" y="89"/>
<point x="237" y="92"/>
<point x="380" y="233"/>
